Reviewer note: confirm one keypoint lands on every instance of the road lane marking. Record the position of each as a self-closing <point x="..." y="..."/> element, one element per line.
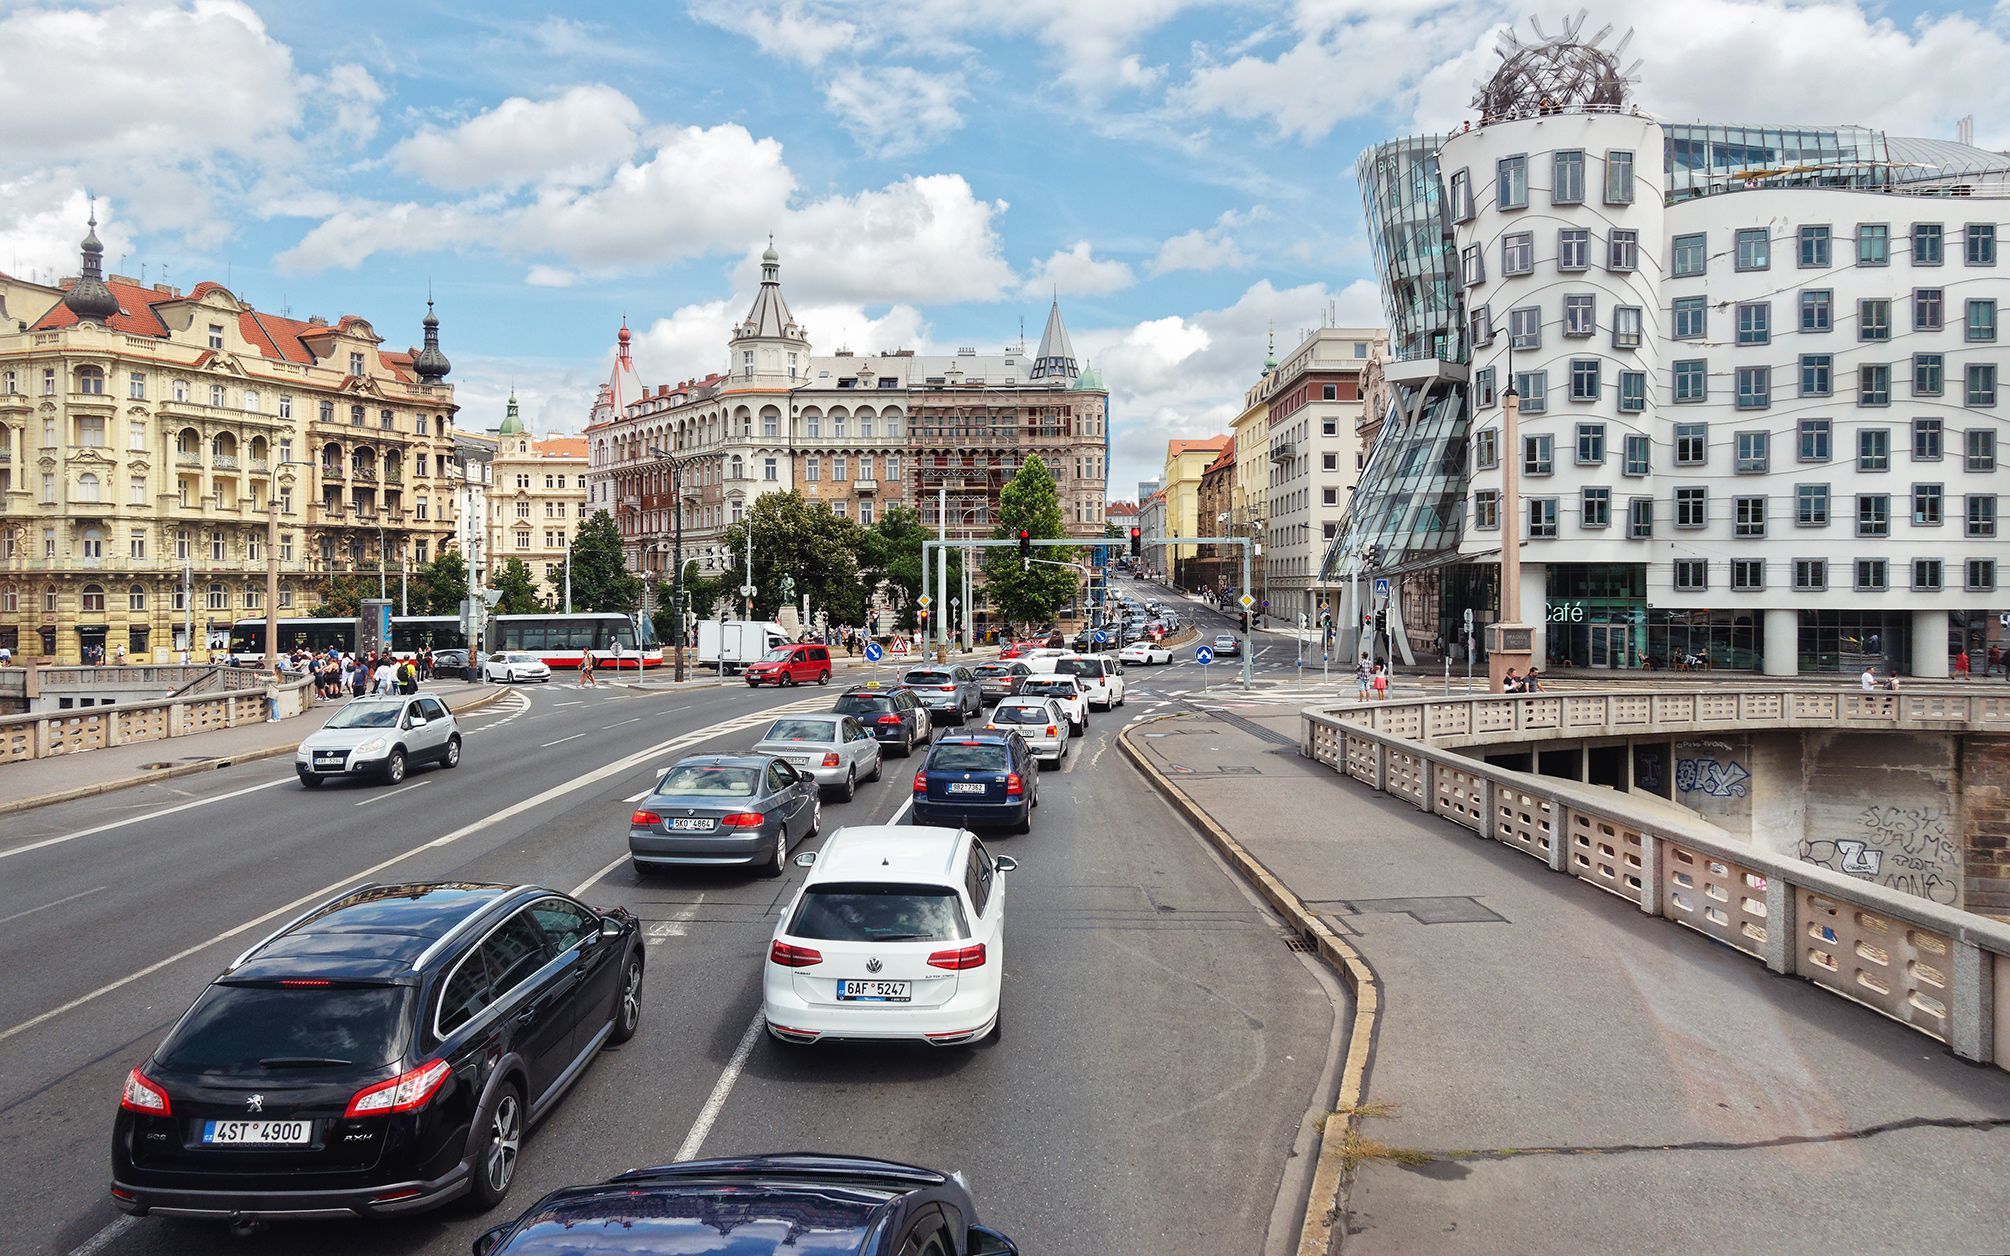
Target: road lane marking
<point x="402" y="789"/>
<point x="561" y="741"/>
<point x="151" y="815"/>
<point x="709" y="1114"/>
<point x="46" y="906"/>
<point x="574" y="702"/>
<point x="594" y="880"/>
<point x="99" y="1241"/>
<point x="636" y="720"/>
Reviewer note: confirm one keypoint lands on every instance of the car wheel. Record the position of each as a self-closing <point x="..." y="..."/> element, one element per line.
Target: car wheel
<point x="509" y="677"/>
<point x="816" y="818"/>
<point x="452" y="758"/>
<point x="779" y="857"/>
<point x="309" y="781"/>
<point x="628" y="1006"/>
<point x="1025" y="824"/>
<point x="878" y="767"/>
<point x="823" y="678"/>
<point x="502" y="1140"/>
<point x="394" y="768"/>
<point x="850" y="784"/>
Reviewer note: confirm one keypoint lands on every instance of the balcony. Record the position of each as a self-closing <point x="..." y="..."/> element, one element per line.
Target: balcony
<point x="394" y="475"/>
<point x="332" y="471"/>
<point x="1282" y="451"/>
<point x="865" y="488"/>
<point x="259" y="466"/>
<point x="224" y="462"/>
<point x="366" y="475"/>
<point x="187" y="458"/>
<point x="330" y="511"/>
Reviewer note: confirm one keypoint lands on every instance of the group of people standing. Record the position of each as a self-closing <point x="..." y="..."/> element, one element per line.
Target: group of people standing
<point x="338" y="674"/>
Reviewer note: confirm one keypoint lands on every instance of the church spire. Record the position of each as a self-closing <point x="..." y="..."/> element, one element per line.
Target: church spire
<point x="89" y="299"/>
<point x="512" y="424"/>
<point x="430" y="364"/>
<point x="1056" y="358"/>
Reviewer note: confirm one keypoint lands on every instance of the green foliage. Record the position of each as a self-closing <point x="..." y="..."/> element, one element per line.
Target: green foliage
<point x="518" y="588"/>
<point x="702" y="593"/>
<point x="341" y="597"/>
<point x="601" y="580"/>
<point x="1029" y="595"/>
<point x="816" y="549"/>
<point x="439" y="586"/>
<point x="892" y="563"/>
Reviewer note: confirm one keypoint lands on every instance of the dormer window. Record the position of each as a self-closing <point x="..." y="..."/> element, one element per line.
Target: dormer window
<point x="216" y="335"/>
<point x="355" y="364"/>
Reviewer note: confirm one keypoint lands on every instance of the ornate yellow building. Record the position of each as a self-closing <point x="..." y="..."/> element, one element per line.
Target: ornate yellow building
<point x="536" y="500"/>
<point x="143" y="432"/>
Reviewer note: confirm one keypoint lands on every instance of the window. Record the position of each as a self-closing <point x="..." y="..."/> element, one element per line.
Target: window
<point x="1692" y="507"/>
<point x="1525" y="328"/>
<point x="1595" y="508"/>
<point x="813" y="469"/>
<point x="1755" y="387"/>
<point x="1815" y="434"/>
<point x="1981" y="321"/>
<point x="94" y="599"/>
<point x="1748" y="516"/>
<point x="355" y="363"/>
<point x="1873" y="244"/>
<point x="285" y="405"/>
<point x="1926" y="574"/>
<point x="216" y="395"/>
<point x="136" y="597"/>
<point x="1981" y="383"/>
<point x="91" y="431"/>
<point x="1639" y="454"/>
<point x="1627" y="322"/>
<point x="1814" y="247"/>
<point x="1811" y="505"/>
<point x="1748" y="574"/>
<point x="1980" y="238"/>
<point x="1632" y="392"/>
<point x="1486" y="509"/>
<point x="1691" y="255"/>
<point x="1929" y="375"/>
<point x="1691" y="318"/>
<point x="1487" y="448"/>
<point x="1754" y="451"/>
<point x="1755" y="248"/>
<point x="1755" y="322"/>
<point x="1511" y="183"/>
<point x="1928" y="505"/>
<point x="1472" y="265"/>
<point x="770" y="470"/>
<point x="1462" y="196"/>
<point x="1590" y="443"/>
<point x="1541" y="518"/>
<point x="1981" y="574"/>
<point x="1873" y="385"/>
<point x="1622" y="251"/>
<point x="1618" y="177"/>
<point x="1873" y="449"/>
<point x="1979" y="449"/>
<point x="1567" y="182"/>
<point x="1817" y="374"/>
<point x="837" y="468"/>
<point x="1640" y="518"/>
<point x="1873" y="319"/>
<point x="1811" y="575"/>
<point x="1580" y="314"/>
<point x="1481" y="331"/>
<point x="1692" y="575"/>
<point x="1483" y="391"/>
<point x="1929" y="440"/>
<point x="1518" y="253"/>
<point x="1538" y="454"/>
<point x="87" y="487"/>
<point x="1981" y="514"/>
<point x="1928" y="244"/>
<point x="1573" y="249"/>
<point x="216" y="335"/>
<point x="219" y="600"/>
<point x="1690" y="444"/>
<point x="1584" y="379"/>
<point x="1928" y="309"/>
<point x="1818" y="310"/>
<point x="136" y="547"/>
<point x="49" y="382"/>
<point x="1872" y="575"/>
<point x="1533" y="388"/>
<point x="1873" y="514"/>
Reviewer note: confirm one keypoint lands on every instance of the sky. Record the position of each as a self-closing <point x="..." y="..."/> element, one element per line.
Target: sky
<point x="932" y="171"/>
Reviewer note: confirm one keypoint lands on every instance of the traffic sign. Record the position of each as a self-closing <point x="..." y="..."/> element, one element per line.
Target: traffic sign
<point x="746" y="590"/>
<point x="874" y="652"/>
<point x="1469" y="621"/>
<point x="1247" y="601"/>
<point x="1381" y="586"/>
<point x="925" y="601"/>
<point x="1203" y="655"/>
<point x="1102" y="638"/>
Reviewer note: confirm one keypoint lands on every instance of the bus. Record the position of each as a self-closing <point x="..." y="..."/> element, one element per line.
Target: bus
<point x="408" y="634"/>
<point x="560" y="640"/>
<point x="411" y="633"/>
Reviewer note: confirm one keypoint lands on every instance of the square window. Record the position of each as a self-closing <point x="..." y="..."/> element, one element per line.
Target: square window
<point x="1814" y="246"/>
<point x="1541" y="518"/>
<point x="1518" y="253"/>
<point x="1691" y="317"/>
<point x="1538" y="454"/>
<point x="1472" y="265"/>
<point x="1811" y="575"/>
<point x="1815" y="434"/>
<point x="1692" y="575"/>
<point x="1525" y="327"/>
<point x="1929" y="440"/>
<point x="1511" y="183"/>
<point x="1573" y="249"/>
<point x="1928" y="309"/>
<point x="1567" y="180"/>
<point x="1691" y="444"/>
<point x="1929" y="375"/>
<point x="1639" y="454"/>
<point x="1979" y="449"/>
<point x="1928" y="244"/>
<point x="1871" y="575"/>
<point x="1690" y="256"/>
<point x="1755" y="248"/>
<point x="1873" y="319"/>
<point x="1755" y="322"/>
<point x="1981" y="322"/>
<point x="1691" y="381"/>
<point x="1981" y="512"/>
<point x="1818" y="310"/>
<point x="1481" y="328"/>
<point x="1873" y="385"/>
<point x="1817" y="375"/>
<point x="1980" y="238"/>
<point x="1486" y="509"/>
<point x="1632" y="392"/>
<point x="1584" y="384"/>
<point x="1755" y="387"/>
<point x="1748" y="574"/>
<point x="1873" y="449"/>
<point x="1595" y="508"/>
<point x="1981" y="384"/>
<point x="1926" y="574"/>
<point x="1811" y="505"/>
<point x="1748" y="517"/>
<point x="1692" y="507"/>
<point x="1622" y="251"/>
<point x="1929" y="505"/>
<point x="1873" y="244"/>
<point x="1754" y="452"/>
<point x="1533" y="388"/>
<point x="1981" y="574"/>
<point x="1580" y="314"/>
<point x="1873" y="514"/>
<point x="1618" y="177"/>
<point x="1640" y="518"/>
<point x="1484" y="397"/>
<point x="1628" y="322"/>
<point x="1590" y="444"/>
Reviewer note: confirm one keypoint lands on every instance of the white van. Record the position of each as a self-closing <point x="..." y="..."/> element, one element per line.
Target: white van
<point x="1101" y="675"/>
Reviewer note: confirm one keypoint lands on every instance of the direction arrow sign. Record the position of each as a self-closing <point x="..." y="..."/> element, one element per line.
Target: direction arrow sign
<point x="1247" y="601"/>
<point x="1203" y="655"/>
<point x="874" y="652"/>
<point x="925" y="601"/>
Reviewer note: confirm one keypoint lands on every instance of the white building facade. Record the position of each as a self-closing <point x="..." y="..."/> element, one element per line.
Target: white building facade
<point x="1311" y="461"/>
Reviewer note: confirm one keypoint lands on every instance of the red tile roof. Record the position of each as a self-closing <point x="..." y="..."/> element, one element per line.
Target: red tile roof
<point x="272" y="335"/>
<point x="1211" y="443"/>
<point x="1226" y="458"/>
<point x="562" y="447"/>
<point x="136" y="316"/>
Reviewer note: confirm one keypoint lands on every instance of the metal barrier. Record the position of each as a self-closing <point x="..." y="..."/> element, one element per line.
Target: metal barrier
<point x="1940" y="970"/>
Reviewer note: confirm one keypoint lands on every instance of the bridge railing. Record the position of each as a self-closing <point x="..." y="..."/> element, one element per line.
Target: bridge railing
<point x="42" y="735"/>
<point x="1940" y="970"/>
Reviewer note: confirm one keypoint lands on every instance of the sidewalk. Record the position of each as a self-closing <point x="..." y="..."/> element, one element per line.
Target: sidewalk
<point x="39" y="782"/>
<point x="1552" y="1070"/>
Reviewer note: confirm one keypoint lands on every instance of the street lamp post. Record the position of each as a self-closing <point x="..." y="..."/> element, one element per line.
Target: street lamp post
<point x="676" y="547"/>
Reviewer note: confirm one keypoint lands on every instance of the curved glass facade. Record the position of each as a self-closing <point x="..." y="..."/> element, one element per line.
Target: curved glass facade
<point x="1706" y="159"/>
<point x="1412" y="241"/>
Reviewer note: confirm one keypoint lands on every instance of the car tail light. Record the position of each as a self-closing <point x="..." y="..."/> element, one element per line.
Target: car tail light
<point x="831" y="759"/>
<point x="644" y="818"/>
<point x="789" y="955"/>
<point x="962" y="957"/>
<point x="305" y="983"/>
<point x="921" y="782"/>
<point x="741" y="820"/>
<point x="887" y="719"/>
<point x="392" y="1197"/>
<point x="143" y="1097"/>
<point x="949" y="689"/>
<point x="402" y="1093"/>
<point x="1013" y="785"/>
<point x="1053" y="730"/>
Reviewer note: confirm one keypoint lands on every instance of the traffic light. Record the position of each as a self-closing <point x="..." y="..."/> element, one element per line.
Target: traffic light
<point x="921" y="618"/>
<point x="1025" y="543"/>
<point x="1381" y="621"/>
<point x="1137" y="542"/>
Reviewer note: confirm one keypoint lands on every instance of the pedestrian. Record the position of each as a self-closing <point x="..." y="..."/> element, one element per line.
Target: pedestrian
<point x="383" y="679"/>
<point x="408" y="677"/>
<point x="1532" y="683"/>
<point x="119" y="656"/>
<point x="1511" y="683"/>
<point x="1364" y="679"/>
<point x="6" y="656"/>
<point x="1961" y="665"/>
<point x="1994" y="661"/>
<point x="586" y="680"/>
<point x="1381" y="684"/>
<point x="1868" y="681"/>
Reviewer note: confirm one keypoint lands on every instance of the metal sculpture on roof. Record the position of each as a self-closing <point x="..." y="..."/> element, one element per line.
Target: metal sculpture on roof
<point x="1555" y="72"/>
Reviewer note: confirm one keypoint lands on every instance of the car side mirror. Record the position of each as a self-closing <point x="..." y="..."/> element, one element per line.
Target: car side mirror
<point x="489" y="1241"/>
<point x="1005" y="863"/>
<point x="807" y="859"/>
<point x="985" y="1241"/>
<point x="610" y="928"/>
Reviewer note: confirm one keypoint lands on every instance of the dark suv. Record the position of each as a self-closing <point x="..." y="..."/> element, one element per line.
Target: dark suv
<point x="978" y="779"/>
<point x="381" y="1054"/>
<point x="757" y="1205"/>
<point x="890" y="715"/>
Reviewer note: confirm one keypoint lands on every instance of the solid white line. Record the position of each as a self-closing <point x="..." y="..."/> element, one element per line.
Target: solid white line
<point x="561" y="741"/>
<point x="593" y="880"/>
<point x="708" y="1114"/>
<point x="402" y="789"/>
<point x="151" y="815"/>
<point x="97" y="1242"/>
<point x="46" y="906"/>
<point x="636" y="720"/>
<point x="574" y="702"/>
<point x="637" y="797"/>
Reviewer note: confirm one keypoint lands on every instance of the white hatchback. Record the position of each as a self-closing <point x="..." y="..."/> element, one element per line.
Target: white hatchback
<point x="1039" y="721"/>
<point x="898" y="934"/>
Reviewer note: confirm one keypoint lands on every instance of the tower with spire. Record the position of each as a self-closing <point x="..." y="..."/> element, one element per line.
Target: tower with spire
<point x="512" y="424"/>
<point x="1056" y="359"/>
<point x="768" y="342"/>
<point x="429" y="363"/>
<point x="89" y="299"/>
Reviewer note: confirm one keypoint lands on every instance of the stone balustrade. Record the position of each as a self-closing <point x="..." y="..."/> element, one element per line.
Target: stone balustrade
<point x="46" y="734"/>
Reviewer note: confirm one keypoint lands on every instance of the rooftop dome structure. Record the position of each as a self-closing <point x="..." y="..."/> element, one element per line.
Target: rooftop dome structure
<point x="89" y="299"/>
<point x="1555" y="72"/>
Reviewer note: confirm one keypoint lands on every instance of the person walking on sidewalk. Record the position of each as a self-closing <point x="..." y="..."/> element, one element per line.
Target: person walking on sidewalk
<point x="1364" y="679"/>
<point x="586" y="680"/>
<point x="1381" y="683"/>
<point x="384" y="679"/>
<point x="1961" y="665"/>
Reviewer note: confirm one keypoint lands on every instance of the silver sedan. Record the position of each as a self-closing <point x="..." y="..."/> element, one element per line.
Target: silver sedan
<point x="834" y="750"/>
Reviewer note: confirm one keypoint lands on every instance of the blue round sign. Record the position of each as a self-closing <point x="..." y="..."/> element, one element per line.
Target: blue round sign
<point x="874" y="652"/>
<point x="1203" y="655"/>
<point x="1102" y="638"/>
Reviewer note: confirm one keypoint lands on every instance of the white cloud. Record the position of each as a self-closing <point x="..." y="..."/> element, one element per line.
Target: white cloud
<point x="896" y="109"/>
<point x="803" y="31"/>
<point x="927" y="239"/>
<point x="350" y="97"/>
<point x="551" y="277"/>
<point x="573" y="138"/>
<point x="1207" y="248"/>
<point x="1078" y="271"/>
<point x="42" y="225"/>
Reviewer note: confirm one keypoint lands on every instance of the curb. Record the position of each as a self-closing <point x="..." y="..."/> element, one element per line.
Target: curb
<point x="1325" y="1207"/>
<point x="186" y="769"/>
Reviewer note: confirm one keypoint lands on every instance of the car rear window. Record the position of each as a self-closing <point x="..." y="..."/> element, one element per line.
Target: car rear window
<point x="709" y="780"/>
<point x="993" y="669"/>
<point x="848" y="912"/>
<point x="1044" y="685"/>
<point x="1079" y="667"/>
<point x="862" y="704"/>
<point x="1019" y="715"/>
<point x="969" y="757"/>
<point x="801" y="730"/>
<point x="929" y="678"/>
<point x="234" y="1028"/>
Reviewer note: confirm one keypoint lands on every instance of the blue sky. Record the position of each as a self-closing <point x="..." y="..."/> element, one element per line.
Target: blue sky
<point x="931" y="169"/>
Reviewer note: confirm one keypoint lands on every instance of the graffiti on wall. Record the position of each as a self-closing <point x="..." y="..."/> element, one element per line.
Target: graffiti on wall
<point x="1909" y="849"/>
<point x="1719" y="778"/>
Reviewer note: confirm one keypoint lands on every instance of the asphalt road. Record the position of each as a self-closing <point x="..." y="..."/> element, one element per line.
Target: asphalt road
<point x="1163" y="1053"/>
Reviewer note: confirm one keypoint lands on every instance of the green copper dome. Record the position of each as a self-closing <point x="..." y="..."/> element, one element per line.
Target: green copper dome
<point x="1089" y="380"/>
<point x="512" y="425"/>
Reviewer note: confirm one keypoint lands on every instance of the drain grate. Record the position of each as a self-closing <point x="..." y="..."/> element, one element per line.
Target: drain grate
<point x="1299" y="945"/>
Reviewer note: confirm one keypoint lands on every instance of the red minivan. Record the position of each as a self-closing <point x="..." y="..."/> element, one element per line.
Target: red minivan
<point x="792" y="665"/>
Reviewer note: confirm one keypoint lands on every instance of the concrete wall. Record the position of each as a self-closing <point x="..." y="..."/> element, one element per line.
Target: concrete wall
<point x="1713" y="778"/>
<point x="1985" y="807"/>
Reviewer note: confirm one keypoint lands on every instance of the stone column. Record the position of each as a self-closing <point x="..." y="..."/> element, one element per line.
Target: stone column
<point x="1782" y="643"/>
<point x="1929" y="644"/>
<point x="1535" y="609"/>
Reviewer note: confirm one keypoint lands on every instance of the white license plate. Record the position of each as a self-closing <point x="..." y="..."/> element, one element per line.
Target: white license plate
<point x="801" y="758"/>
<point x="327" y="757"/>
<point x="256" y="1133"/>
<point x="876" y="991"/>
<point x="966" y="787"/>
<point x="693" y="825"/>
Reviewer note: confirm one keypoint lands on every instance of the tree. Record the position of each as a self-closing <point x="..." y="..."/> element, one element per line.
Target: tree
<point x="341" y="597"/>
<point x="439" y="587"/>
<point x="518" y="588"/>
<point x="1029" y="595"/>
<point x="892" y="558"/>
<point x="601" y="580"/>
<point x="817" y="550"/>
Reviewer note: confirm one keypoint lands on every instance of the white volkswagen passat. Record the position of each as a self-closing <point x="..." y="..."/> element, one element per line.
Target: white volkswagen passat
<point x="899" y="933"/>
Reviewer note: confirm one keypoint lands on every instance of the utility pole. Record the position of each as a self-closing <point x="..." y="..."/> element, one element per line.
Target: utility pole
<point x="272" y="570"/>
<point x="1513" y="642"/>
<point x="747" y="590"/>
<point x="188" y="602"/>
<point x="941" y="571"/>
<point x="568" y="578"/>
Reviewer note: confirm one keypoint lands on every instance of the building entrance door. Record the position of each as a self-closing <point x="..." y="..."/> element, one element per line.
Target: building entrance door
<point x="1611" y="645"/>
